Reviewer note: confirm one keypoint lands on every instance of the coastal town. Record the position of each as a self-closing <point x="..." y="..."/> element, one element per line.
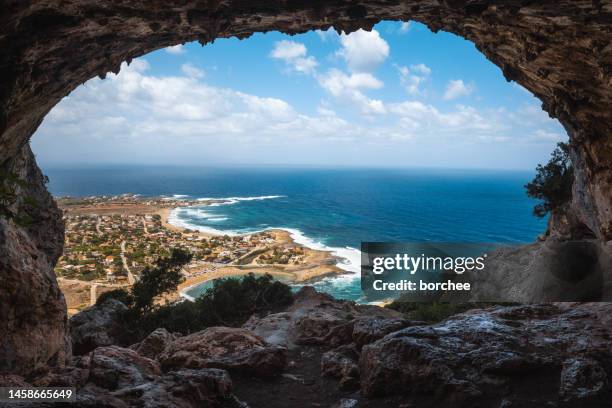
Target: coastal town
<point x="110" y="240"/>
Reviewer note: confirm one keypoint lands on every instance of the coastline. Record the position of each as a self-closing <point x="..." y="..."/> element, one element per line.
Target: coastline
<point x="319" y="263"/>
<point x="314" y="261"/>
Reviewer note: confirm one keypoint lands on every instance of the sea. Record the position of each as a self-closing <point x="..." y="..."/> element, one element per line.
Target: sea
<point x="332" y="209"/>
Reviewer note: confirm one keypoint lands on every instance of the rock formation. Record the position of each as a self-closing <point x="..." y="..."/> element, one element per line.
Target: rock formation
<point x="235" y="350"/>
<point x="503" y="356"/>
<point x="96" y="326"/>
<point x="559" y="51"/>
<point x="482" y="352"/>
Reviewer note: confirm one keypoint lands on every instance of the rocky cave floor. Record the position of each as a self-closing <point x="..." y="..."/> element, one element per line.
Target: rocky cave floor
<point x="323" y="352"/>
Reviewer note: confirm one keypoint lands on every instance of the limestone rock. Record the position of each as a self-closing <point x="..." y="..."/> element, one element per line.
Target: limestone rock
<point x="155" y="343"/>
<point x="342" y="363"/>
<point x="183" y="388"/>
<point x="478" y="351"/>
<point x="33" y="327"/>
<point x="236" y="350"/>
<point x="96" y="326"/>
<point x="273" y="328"/>
<point x="114" y="368"/>
<point x="369" y="329"/>
<point x="582" y="378"/>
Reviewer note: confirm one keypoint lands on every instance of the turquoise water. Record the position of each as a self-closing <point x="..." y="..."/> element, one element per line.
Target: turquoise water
<point x="332" y="209"/>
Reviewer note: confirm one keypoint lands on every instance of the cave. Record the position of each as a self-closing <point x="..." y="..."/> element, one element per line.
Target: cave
<point x="561" y="52"/>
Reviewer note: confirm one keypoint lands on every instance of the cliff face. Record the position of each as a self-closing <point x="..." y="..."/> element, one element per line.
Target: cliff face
<point x="560" y="51"/>
<point x="33" y="325"/>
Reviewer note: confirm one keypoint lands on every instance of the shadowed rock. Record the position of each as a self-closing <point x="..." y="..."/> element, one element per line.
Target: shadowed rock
<point x="477" y="352"/>
<point x="96" y="326"/>
<point x="237" y="350"/>
<point x="342" y="363"/>
<point x="155" y="343"/>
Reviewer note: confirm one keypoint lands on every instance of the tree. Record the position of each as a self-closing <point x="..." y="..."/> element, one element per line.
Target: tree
<point x="162" y="278"/>
<point x="553" y="182"/>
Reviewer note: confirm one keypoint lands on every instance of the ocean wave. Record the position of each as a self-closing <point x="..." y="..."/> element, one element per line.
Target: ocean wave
<point x="349" y="259"/>
<point x="234" y="200"/>
<point x="174" y="218"/>
<point x="196" y="213"/>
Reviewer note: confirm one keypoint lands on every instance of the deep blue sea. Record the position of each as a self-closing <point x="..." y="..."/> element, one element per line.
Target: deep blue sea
<point x="331" y="208"/>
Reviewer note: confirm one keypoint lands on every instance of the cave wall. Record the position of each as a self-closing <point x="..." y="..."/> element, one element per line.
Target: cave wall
<point x="558" y="50"/>
<point x="33" y="322"/>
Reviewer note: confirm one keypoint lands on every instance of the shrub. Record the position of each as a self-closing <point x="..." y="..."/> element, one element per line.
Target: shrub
<point x="162" y="278"/>
<point x="230" y="302"/>
<point x="553" y="182"/>
<point x="121" y="295"/>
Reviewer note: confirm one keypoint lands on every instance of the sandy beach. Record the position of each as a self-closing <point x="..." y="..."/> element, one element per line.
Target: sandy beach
<point x="317" y="264"/>
<point x="314" y="265"/>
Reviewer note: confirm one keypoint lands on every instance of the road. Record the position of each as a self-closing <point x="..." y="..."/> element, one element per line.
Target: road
<point x="131" y="278"/>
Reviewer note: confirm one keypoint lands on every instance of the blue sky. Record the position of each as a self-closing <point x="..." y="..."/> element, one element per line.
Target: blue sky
<point x="397" y="96"/>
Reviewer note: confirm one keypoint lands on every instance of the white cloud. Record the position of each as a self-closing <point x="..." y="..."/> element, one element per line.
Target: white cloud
<point x="363" y="51"/>
<point x="287" y="50"/>
<point x="175" y="49"/>
<point x="179" y="108"/>
<point x="337" y="82"/>
<point x="192" y="71"/>
<point x="305" y="65"/>
<point x="456" y="88"/>
<point x="404" y="27"/>
<point x="411" y="78"/>
<point x="421" y="68"/>
<point x="327" y="35"/>
<point x="294" y="54"/>
<point x="345" y="86"/>
<point x="152" y="118"/>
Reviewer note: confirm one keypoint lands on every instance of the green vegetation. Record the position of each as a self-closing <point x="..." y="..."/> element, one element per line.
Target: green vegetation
<point x="553" y="182"/>
<point x="230" y="302"/>
<point x="121" y="295"/>
<point x="158" y="280"/>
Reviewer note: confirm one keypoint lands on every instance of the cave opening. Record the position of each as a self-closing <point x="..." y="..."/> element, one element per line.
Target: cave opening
<point x="403" y="123"/>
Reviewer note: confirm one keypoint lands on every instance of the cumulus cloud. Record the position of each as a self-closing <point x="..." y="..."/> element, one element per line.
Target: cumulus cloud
<point x="288" y="50"/>
<point x="192" y="71"/>
<point x="456" y="88"/>
<point x="363" y="51"/>
<point x="294" y="54"/>
<point x="175" y="49"/>
<point x="350" y="86"/>
<point x="327" y="35"/>
<point x="337" y="82"/>
<point x="183" y="115"/>
<point x="181" y="107"/>
<point x="411" y="78"/>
